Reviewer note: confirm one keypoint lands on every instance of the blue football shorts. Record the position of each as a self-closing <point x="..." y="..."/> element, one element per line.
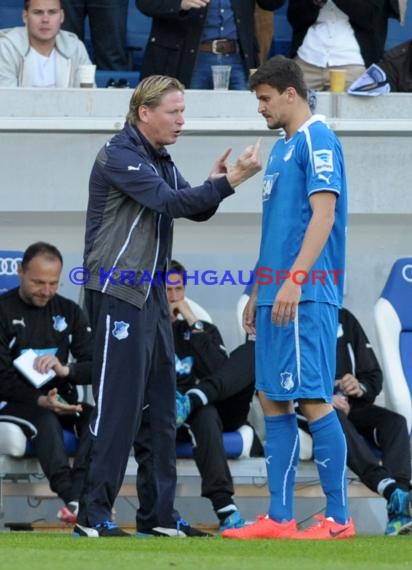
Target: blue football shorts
<point x="297" y="361"/>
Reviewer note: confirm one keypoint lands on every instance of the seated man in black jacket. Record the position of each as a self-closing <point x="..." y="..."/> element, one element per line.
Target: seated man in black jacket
<point x="358" y="383"/>
<point x="215" y="391"/>
<point x="33" y="316"/>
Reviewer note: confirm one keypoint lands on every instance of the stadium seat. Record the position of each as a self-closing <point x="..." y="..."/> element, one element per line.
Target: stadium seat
<point x="397" y="33"/>
<point x="237" y="444"/>
<point x="11" y="13"/>
<point x="282" y="32"/>
<point x="198" y="310"/>
<point x="393" y="321"/>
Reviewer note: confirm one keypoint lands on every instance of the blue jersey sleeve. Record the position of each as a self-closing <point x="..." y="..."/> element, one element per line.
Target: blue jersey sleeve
<point x="322" y="158"/>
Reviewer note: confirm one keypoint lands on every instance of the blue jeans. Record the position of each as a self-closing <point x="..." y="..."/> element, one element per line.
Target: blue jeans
<point x="202" y="73"/>
<point x="108" y="21"/>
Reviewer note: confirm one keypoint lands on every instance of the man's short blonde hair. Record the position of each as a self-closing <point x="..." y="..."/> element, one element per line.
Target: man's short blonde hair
<point x="149" y="92"/>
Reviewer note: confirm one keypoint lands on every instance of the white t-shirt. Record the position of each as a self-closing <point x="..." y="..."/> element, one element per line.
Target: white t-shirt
<point x="42" y="68"/>
<point x="331" y="40"/>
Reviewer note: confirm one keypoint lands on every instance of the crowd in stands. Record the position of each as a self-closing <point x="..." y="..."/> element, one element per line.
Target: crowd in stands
<point x="189" y="36"/>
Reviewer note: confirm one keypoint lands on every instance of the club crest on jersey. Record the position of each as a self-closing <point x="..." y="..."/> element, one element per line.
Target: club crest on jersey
<point x="287" y="382"/>
<point x="323" y="160"/>
<point x="59" y="323"/>
<point x="183" y="366"/>
<point x="120" y="330"/>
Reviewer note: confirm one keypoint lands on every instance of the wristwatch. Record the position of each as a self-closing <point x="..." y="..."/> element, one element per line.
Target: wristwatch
<point x="197" y="326"/>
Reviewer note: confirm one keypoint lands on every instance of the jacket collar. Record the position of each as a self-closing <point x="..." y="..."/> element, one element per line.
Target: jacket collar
<point x="141" y="140"/>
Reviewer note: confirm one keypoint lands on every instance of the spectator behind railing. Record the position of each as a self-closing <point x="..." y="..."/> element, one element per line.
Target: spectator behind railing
<point x="108" y="23"/>
<point x="341" y="34"/>
<point x="40" y="54"/>
<point x="187" y="38"/>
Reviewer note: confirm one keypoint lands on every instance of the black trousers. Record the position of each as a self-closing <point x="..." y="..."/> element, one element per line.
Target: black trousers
<point x="386" y="430"/>
<point x="108" y="27"/>
<point x="229" y="393"/>
<point x="48" y="445"/>
<point x="135" y="391"/>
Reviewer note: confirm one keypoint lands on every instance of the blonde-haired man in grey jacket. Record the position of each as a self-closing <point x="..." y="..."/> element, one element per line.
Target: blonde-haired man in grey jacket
<point x="40" y="54"/>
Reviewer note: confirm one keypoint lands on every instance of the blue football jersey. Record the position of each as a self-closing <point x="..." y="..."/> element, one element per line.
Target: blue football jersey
<point x="310" y="161"/>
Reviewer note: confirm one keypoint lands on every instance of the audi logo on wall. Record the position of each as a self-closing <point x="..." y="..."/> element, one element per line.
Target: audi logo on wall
<point x="9" y="265"/>
<point x="407" y="273"/>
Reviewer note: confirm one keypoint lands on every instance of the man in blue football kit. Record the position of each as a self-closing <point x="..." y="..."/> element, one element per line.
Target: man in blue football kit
<point x="294" y="306"/>
<point x="135" y="193"/>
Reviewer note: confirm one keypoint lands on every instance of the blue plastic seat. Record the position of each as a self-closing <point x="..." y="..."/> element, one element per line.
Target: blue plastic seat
<point x="236" y="444"/>
<point x="397" y="33"/>
<point x="393" y="320"/>
<point x="71" y="443"/>
<point x="11" y="13"/>
<point x="282" y="33"/>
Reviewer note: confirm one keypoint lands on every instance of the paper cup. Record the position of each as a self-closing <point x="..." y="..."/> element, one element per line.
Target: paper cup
<point x="337" y="80"/>
<point x="87" y="75"/>
<point x="221" y="76"/>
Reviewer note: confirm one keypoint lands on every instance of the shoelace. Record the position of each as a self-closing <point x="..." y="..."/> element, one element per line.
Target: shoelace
<point x="181" y="523"/>
<point x="109" y="525"/>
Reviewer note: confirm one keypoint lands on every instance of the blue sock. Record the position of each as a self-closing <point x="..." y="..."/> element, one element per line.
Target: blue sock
<point x="282" y="456"/>
<point x="329" y="450"/>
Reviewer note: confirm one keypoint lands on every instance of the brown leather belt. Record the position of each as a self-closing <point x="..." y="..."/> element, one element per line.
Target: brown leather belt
<point x="221" y="47"/>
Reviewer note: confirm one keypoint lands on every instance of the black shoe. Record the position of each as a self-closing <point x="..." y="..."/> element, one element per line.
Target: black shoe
<point x="181" y="529"/>
<point x="104" y="529"/>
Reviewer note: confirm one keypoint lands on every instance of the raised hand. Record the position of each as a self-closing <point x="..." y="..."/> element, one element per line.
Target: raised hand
<point x="221" y="166"/>
<point x="247" y="165"/>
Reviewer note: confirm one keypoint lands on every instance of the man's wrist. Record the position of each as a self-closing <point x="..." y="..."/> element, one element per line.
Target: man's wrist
<point x="41" y="401"/>
<point x="197" y="327"/>
<point x="65" y="370"/>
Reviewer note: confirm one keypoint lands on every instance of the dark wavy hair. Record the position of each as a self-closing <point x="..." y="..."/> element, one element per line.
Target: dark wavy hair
<point x="280" y="72"/>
